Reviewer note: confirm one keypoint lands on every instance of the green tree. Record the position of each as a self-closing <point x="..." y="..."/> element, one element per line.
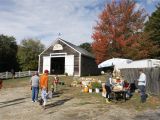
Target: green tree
<point x="8" y="53"/>
<point x="152" y="26"/>
<point x="141" y="48"/>
<point x="86" y="46"/>
<point x="28" y="52"/>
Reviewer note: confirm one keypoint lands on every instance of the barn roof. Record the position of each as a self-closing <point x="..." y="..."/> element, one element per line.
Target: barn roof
<point x="78" y="49"/>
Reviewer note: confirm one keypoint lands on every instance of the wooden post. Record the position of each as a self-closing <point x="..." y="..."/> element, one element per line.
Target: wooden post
<point x="19" y="74"/>
<point x="7" y="75"/>
<point x="29" y="73"/>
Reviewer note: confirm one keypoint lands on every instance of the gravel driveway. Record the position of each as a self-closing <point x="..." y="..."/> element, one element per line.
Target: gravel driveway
<point x="15" y="104"/>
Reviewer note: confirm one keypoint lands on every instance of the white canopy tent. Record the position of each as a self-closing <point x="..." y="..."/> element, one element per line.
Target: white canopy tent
<point x="114" y="62"/>
<point x="146" y="63"/>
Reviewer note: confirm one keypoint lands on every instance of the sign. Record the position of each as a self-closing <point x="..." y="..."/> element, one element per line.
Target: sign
<point x="57" y="47"/>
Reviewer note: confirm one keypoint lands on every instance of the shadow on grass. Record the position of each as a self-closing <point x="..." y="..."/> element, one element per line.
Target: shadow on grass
<point x="14" y="100"/>
<point x="148" y="116"/>
<point x="58" y="103"/>
<point x="11" y="104"/>
<point x="57" y="94"/>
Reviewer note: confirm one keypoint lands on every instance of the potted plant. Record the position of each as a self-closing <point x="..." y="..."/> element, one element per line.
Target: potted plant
<point x="90" y="87"/>
<point x="66" y="74"/>
<point x="96" y="86"/>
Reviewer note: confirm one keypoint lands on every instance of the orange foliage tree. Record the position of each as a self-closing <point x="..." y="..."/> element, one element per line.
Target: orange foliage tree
<point x="119" y="24"/>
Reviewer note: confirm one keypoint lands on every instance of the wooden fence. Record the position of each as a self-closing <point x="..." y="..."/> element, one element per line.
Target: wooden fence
<point x="152" y="74"/>
<point x="8" y="75"/>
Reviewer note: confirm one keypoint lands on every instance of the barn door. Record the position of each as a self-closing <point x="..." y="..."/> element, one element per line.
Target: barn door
<point x="69" y="64"/>
<point x="46" y="63"/>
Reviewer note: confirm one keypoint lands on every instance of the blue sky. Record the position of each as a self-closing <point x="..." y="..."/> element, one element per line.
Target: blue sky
<point x="44" y="19"/>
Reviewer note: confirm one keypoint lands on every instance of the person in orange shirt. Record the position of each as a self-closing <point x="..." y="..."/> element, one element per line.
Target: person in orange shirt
<point x="44" y="80"/>
<point x="44" y="86"/>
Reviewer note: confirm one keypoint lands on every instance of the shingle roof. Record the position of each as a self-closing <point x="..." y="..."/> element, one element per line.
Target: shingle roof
<point x="79" y="49"/>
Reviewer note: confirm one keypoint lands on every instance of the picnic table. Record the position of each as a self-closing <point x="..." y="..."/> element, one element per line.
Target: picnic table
<point x="119" y="94"/>
<point x="119" y="90"/>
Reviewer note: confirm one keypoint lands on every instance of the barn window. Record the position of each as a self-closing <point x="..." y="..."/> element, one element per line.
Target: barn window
<point x="57" y="47"/>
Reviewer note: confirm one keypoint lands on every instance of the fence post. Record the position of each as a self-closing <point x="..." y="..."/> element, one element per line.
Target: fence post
<point x="7" y="75"/>
<point x="29" y="72"/>
<point x="19" y="74"/>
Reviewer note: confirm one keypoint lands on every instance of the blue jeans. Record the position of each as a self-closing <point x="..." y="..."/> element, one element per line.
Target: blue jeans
<point x="108" y="89"/>
<point x="35" y="93"/>
<point x="143" y="92"/>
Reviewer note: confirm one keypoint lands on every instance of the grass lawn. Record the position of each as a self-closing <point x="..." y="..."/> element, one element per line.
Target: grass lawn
<point x="18" y="82"/>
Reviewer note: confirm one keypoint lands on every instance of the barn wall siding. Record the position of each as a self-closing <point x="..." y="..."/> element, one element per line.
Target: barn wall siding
<point x="88" y="66"/>
<point x="67" y="50"/>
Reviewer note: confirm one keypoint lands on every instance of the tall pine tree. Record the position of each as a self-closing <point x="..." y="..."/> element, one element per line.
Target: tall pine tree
<point x="152" y="26"/>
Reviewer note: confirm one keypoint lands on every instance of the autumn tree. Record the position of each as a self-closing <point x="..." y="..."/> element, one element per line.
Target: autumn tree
<point x="119" y="24"/>
<point x="28" y="52"/>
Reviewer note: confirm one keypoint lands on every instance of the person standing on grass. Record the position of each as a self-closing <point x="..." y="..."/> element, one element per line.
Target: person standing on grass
<point x="108" y="87"/>
<point x="55" y="83"/>
<point x="142" y="85"/>
<point x="44" y="86"/>
<point x="35" y="87"/>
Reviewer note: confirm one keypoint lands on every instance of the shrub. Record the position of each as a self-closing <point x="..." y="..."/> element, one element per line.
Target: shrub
<point x="96" y="85"/>
<point x="66" y="74"/>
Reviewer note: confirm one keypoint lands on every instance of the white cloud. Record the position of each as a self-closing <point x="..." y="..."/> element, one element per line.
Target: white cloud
<point x="44" y="19"/>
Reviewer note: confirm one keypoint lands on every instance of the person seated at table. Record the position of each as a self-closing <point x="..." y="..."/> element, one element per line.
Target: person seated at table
<point x="119" y="81"/>
<point x="127" y="87"/>
<point x="118" y="84"/>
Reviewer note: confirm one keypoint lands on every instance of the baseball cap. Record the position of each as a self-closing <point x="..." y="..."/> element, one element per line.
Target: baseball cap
<point x="46" y="71"/>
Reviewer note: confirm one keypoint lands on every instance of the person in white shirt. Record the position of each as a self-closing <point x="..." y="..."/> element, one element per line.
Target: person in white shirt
<point x="142" y="85"/>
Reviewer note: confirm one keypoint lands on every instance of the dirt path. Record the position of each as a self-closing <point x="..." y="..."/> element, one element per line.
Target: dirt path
<point x="15" y="104"/>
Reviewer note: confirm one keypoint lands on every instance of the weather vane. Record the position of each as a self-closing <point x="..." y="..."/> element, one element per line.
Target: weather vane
<point x="59" y="34"/>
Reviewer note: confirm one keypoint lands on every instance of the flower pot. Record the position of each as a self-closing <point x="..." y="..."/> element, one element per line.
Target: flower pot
<point x="97" y="90"/>
<point x="90" y="90"/>
<point x="85" y="89"/>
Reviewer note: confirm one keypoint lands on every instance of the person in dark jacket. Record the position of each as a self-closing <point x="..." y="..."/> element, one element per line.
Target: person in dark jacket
<point x="108" y="87"/>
